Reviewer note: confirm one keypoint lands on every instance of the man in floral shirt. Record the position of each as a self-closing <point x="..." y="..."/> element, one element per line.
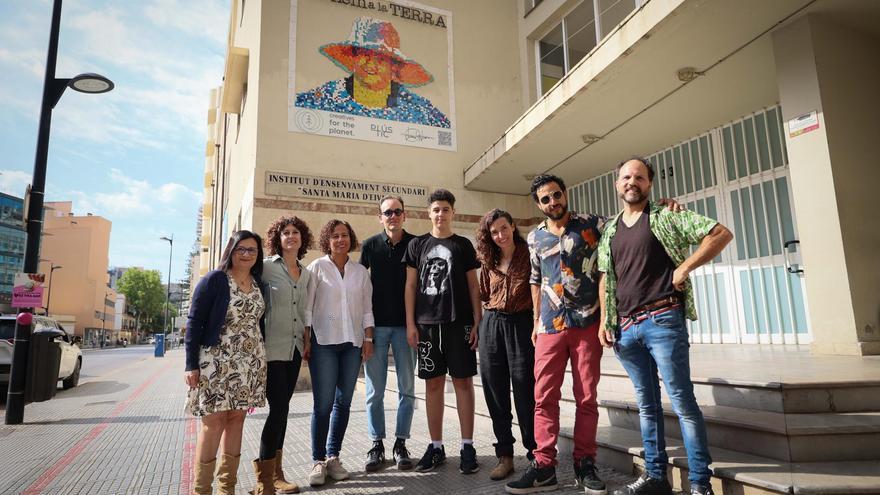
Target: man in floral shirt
<point x="564" y="284"/>
<point x="646" y="296"/>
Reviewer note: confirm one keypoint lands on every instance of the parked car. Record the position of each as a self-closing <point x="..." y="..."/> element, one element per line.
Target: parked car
<point x="71" y="355"/>
<point x="151" y="340"/>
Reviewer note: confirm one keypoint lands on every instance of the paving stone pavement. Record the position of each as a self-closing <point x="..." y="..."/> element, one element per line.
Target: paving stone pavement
<point x="125" y="432"/>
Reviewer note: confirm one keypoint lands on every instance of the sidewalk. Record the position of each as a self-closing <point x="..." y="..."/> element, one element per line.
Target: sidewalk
<point x="125" y="431"/>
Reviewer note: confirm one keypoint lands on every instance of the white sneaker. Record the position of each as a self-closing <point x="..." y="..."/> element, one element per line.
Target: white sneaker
<point x="318" y="476"/>
<point x="335" y="469"/>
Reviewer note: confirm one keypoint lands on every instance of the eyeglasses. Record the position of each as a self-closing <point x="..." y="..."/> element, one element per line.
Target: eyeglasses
<point x="395" y="212"/>
<point x="243" y="251"/>
<point x="546" y="199"/>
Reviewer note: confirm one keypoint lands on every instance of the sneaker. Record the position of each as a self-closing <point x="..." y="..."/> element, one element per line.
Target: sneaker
<point x="401" y="455"/>
<point x="432" y="458"/>
<point x="701" y="490"/>
<point x="375" y="457"/>
<point x="335" y="469"/>
<point x="318" y="476"/>
<point x="535" y="479"/>
<point x="646" y="485"/>
<point x="585" y="476"/>
<point x="469" y="464"/>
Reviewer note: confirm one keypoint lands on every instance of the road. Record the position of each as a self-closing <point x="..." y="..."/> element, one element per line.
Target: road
<point x="98" y="363"/>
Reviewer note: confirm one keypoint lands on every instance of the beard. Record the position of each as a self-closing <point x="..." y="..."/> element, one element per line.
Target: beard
<point x="563" y="209"/>
<point x="633" y="196"/>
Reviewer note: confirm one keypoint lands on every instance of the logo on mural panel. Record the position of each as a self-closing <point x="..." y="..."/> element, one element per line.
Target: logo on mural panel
<point x="377" y="71"/>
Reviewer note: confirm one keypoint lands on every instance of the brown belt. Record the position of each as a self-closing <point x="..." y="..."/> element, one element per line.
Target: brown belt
<point x="654" y="305"/>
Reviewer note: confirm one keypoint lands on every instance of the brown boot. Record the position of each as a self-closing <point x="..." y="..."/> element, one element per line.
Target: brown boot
<point x="281" y="484"/>
<point x="503" y="469"/>
<point x="227" y="474"/>
<point x="203" y="476"/>
<point x="265" y="471"/>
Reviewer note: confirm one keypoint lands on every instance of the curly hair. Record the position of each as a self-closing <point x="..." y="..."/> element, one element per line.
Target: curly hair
<point x="327" y="234"/>
<point x="488" y="252"/>
<point x="541" y="180"/>
<point x="273" y="235"/>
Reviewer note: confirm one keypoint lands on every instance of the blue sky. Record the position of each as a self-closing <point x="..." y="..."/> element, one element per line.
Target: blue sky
<point x="134" y="155"/>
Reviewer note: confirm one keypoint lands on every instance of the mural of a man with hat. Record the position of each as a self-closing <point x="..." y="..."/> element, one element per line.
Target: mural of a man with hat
<point x="380" y="76"/>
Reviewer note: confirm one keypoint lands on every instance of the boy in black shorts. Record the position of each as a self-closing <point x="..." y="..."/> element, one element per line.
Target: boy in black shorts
<point x="442" y="316"/>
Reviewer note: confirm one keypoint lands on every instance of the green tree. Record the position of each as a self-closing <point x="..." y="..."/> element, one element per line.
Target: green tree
<point x="144" y="294"/>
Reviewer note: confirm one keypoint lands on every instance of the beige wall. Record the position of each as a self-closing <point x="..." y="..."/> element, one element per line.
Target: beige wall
<point x="834" y="178"/>
<point x="488" y="98"/>
<point x="80" y="244"/>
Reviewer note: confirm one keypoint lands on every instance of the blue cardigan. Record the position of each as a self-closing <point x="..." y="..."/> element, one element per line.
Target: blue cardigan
<point x="207" y="314"/>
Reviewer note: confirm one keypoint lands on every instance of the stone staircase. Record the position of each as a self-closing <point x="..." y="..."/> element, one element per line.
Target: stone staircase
<point x="796" y="426"/>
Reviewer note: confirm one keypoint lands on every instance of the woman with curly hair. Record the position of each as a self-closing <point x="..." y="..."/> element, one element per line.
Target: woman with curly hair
<point x="506" y="351"/>
<point x="225" y="359"/>
<point x="288" y="239"/>
<point x="339" y="323"/>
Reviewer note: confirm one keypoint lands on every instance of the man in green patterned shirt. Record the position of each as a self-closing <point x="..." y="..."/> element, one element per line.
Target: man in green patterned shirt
<point x="645" y="295"/>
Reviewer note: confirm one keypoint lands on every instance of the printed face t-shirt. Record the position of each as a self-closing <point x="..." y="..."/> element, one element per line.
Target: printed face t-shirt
<point x="442" y="294"/>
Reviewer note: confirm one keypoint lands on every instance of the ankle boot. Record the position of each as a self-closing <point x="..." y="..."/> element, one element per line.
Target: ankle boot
<point x="227" y="474"/>
<point x="203" y="476"/>
<point x="281" y="484"/>
<point x="265" y="471"/>
<point x="503" y="469"/>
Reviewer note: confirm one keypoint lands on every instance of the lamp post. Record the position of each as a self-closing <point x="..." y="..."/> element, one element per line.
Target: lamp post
<point x="52" y="269"/>
<point x="167" y="287"/>
<point x="53" y="87"/>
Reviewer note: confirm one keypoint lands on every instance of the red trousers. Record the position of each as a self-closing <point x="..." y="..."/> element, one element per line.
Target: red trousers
<point x="552" y="354"/>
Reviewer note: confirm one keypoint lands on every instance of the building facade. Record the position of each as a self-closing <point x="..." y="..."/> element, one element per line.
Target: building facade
<point x="79" y="292"/>
<point x="12" y="242"/>
<point x="756" y="113"/>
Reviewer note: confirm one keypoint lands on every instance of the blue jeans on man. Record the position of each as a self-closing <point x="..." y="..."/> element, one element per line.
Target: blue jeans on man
<point x="376" y="373"/>
<point x="660" y="342"/>
<point x="334" y="369"/>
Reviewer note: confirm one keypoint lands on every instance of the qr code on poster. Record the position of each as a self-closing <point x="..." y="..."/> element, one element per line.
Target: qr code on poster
<point x="444" y="138"/>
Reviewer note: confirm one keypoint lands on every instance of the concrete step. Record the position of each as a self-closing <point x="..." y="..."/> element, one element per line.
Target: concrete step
<point x="736" y="472"/>
<point x="772" y="393"/>
<point x="810" y="437"/>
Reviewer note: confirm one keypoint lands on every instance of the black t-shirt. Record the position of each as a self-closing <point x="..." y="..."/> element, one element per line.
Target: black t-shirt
<point x="442" y="295"/>
<point x="388" y="274"/>
<point x="644" y="270"/>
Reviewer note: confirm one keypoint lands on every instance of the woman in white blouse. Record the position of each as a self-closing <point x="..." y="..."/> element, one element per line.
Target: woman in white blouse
<point x="339" y="327"/>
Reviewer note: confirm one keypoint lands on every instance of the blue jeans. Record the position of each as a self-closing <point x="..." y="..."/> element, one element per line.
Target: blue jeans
<point x="660" y="342"/>
<point x="334" y="369"/>
<point x="376" y="373"/>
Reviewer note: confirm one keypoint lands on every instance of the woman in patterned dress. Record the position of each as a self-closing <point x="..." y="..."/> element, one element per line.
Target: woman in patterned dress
<point x="225" y="359"/>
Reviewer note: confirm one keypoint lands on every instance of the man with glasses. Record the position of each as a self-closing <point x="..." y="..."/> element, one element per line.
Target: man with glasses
<point x="383" y="254"/>
<point x="565" y="295"/>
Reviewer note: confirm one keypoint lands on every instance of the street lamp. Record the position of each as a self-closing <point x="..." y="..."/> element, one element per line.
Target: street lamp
<point x="168" y="287"/>
<point x="52" y="269"/>
<point x="53" y="88"/>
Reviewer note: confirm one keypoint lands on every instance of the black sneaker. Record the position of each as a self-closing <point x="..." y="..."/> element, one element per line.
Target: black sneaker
<point x="401" y="455"/>
<point x="646" y="485"/>
<point x="535" y="479"/>
<point x="468" y="463"/>
<point x="432" y="458"/>
<point x="585" y="476"/>
<point x="375" y="457"/>
<point x="701" y="490"/>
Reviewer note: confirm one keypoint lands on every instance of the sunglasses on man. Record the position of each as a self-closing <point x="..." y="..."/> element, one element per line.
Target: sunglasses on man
<point x="546" y="199"/>
<point x="395" y="212"/>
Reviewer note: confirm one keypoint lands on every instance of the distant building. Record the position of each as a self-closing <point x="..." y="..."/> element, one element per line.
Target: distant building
<point x="12" y="243"/>
<point x="80" y="244"/>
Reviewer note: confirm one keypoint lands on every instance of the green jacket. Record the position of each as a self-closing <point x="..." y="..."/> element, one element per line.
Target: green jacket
<point x="285" y="309"/>
<point x="677" y="232"/>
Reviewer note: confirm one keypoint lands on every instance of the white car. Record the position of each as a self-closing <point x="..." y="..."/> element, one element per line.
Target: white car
<point x="71" y="355"/>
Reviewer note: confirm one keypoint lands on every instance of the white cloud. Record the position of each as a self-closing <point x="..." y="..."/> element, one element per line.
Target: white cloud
<point x="133" y="198"/>
<point x="14" y="182"/>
